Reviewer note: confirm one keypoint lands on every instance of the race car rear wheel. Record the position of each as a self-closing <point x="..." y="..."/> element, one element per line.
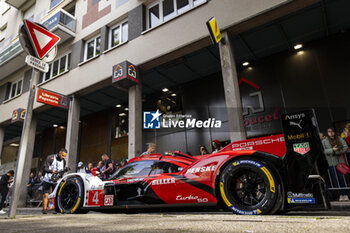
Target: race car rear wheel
<point x="70" y="196"/>
<point x="249" y="187"/>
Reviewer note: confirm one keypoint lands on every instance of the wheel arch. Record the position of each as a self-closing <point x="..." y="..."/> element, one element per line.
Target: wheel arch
<point x="84" y="183"/>
<point x="274" y="162"/>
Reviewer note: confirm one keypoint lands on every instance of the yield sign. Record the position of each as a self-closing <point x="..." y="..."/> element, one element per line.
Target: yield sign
<point x="42" y="40"/>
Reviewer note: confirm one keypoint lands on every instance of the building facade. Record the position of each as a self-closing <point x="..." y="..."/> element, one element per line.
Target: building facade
<point x="181" y="71"/>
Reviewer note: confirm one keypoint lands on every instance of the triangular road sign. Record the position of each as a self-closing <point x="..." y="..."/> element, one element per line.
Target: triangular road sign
<point x="42" y="40"/>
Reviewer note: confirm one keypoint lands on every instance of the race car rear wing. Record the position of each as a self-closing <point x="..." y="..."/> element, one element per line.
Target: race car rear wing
<point x="304" y="150"/>
<point x="299" y="146"/>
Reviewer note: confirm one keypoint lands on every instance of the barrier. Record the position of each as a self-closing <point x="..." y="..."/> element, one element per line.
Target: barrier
<point x="334" y="181"/>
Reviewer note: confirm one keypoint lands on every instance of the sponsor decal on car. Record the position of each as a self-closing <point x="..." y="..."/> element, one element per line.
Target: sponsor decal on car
<point x="247" y="162"/>
<point x="301" y="200"/>
<point x="299" y="136"/>
<point x="301" y="148"/>
<point x="250" y="145"/>
<point x="201" y="169"/>
<point x="295" y="116"/>
<point x="108" y="200"/>
<point x="190" y="198"/>
<point x="163" y="181"/>
<point x="253" y="212"/>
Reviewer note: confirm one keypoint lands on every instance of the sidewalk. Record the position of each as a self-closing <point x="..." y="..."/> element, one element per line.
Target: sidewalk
<point x="340" y="206"/>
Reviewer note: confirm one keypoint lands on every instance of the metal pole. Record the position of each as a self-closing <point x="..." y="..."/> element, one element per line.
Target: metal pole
<point x="23" y="145"/>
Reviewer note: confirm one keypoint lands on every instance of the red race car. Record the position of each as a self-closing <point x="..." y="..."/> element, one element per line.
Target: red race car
<point x="257" y="176"/>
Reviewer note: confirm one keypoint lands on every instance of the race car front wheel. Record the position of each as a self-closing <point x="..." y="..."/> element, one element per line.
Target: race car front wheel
<point x="249" y="187"/>
<point x="70" y="195"/>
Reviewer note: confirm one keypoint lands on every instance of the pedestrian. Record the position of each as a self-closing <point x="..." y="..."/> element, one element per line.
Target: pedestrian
<point x="334" y="147"/>
<point x="53" y="164"/>
<point x="81" y="168"/>
<point x="30" y="185"/>
<point x="151" y="148"/>
<point x="322" y="137"/>
<point x="88" y="169"/>
<point x="5" y="180"/>
<point x="203" y="150"/>
<point x="123" y="162"/>
<point x="109" y="168"/>
<point x="216" y="145"/>
<point x="346" y="132"/>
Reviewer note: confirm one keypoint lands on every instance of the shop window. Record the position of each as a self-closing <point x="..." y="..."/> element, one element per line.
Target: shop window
<point x="92" y="48"/>
<point x="54" y="3"/>
<point x="118" y="34"/>
<point x="57" y="67"/>
<point x="16" y="89"/>
<point x="165" y="10"/>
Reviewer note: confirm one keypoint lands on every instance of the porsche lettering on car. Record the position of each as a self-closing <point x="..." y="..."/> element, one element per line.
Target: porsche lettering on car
<point x="267" y="178"/>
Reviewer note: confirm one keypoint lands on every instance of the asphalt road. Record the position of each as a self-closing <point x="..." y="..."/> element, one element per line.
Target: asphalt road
<point x="33" y="221"/>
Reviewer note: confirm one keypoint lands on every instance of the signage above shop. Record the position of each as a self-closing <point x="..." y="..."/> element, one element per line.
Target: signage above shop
<point x="52" y="98"/>
<point x="18" y="115"/>
<point x="37" y="63"/>
<point x="125" y="75"/>
<point x="42" y="40"/>
<point x="214" y="30"/>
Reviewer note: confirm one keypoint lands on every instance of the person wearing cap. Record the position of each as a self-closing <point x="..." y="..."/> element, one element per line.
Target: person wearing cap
<point x="81" y="168"/>
<point x="216" y="145"/>
<point x="5" y="180"/>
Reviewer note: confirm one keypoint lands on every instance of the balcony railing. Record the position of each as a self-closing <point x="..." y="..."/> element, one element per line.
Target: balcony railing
<point x="10" y="51"/>
<point x="21" y="4"/>
<point x="61" y="18"/>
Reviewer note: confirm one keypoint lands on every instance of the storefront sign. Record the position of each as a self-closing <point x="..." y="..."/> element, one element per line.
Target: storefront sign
<point x="18" y="115"/>
<point x="52" y="98"/>
<point x="125" y="75"/>
<point x="259" y="119"/>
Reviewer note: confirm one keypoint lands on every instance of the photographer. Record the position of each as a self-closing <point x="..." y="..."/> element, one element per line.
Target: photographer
<point x="54" y="165"/>
<point x="5" y="180"/>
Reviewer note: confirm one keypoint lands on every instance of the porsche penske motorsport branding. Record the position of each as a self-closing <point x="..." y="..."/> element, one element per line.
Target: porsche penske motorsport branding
<point x="201" y="169"/>
<point x="163" y="181"/>
<point x="250" y="145"/>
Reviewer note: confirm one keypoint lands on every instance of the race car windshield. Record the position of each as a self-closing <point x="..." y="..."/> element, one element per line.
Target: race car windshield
<point x="138" y="168"/>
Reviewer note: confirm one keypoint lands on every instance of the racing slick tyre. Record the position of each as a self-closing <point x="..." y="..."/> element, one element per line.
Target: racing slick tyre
<point x="70" y="196"/>
<point x="249" y="187"/>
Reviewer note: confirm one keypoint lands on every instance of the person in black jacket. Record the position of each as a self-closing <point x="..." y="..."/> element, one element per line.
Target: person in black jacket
<point x="5" y="180"/>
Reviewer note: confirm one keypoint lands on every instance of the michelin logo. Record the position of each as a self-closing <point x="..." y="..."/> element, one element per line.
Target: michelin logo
<point x="151" y="120"/>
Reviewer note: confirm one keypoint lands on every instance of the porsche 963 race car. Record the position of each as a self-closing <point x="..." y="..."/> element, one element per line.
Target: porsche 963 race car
<point x="255" y="176"/>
